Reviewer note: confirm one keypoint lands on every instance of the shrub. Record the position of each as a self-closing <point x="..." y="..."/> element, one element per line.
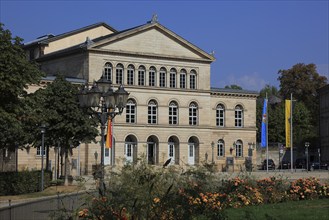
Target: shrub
<point x="15" y="183"/>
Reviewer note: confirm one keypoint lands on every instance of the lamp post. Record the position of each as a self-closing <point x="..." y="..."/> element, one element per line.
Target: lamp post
<point x="105" y="104"/>
<point x="307" y="144"/>
<point x="212" y="152"/>
<point x="43" y="131"/>
<point x="251" y="146"/>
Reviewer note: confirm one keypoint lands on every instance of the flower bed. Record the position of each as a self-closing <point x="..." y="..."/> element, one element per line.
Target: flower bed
<point x="145" y="192"/>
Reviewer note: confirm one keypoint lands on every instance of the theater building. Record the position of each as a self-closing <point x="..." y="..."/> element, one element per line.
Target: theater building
<point x="172" y="110"/>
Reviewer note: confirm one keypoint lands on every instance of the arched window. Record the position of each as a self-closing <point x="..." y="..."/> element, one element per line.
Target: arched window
<point x="131" y="111"/>
<point x="182" y="79"/>
<point x="173" y="74"/>
<point x="192" y="79"/>
<point x="119" y="74"/>
<point x="141" y="76"/>
<point x="238" y="149"/>
<point x="108" y="71"/>
<point x="152" y="112"/>
<point x="163" y="73"/>
<point x="238" y="116"/>
<point x="173" y="113"/>
<point x="220" y="115"/>
<point x="130" y="75"/>
<point x="152" y="76"/>
<point x="193" y="113"/>
<point x="220" y="148"/>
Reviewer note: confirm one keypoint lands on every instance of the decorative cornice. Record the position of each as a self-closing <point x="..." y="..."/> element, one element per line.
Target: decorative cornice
<point x="148" y="55"/>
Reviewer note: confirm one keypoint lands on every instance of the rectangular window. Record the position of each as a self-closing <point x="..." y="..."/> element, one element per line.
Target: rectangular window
<point x="130" y="77"/>
<point x="39" y="151"/>
<point x="220" y="117"/>
<point x="172" y="80"/>
<point x="141" y="77"/>
<point x="238" y="118"/>
<point x="173" y="115"/>
<point x="192" y="81"/>
<point x="239" y="150"/>
<point x="152" y="117"/>
<point x="152" y="78"/>
<point x="193" y="116"/>
<point x="162" y="79"/>
<point x="119" y="76"/>
<point x="182" y="81"/>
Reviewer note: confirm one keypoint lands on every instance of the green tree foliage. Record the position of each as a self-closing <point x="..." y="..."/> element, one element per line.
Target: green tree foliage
<point x="303" y="81"/>
<point x="16" y="74"/>
<point x="67" y="124"/>
<point x="58" y="107"/>
<point x="302" y="126"/>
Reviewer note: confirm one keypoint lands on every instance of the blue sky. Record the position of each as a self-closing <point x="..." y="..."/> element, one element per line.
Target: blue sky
<point x="252" y="40"/>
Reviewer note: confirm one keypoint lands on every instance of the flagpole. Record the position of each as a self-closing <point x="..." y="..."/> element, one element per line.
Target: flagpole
<point x="266" y="120"/>
<point x="291" y="145"/>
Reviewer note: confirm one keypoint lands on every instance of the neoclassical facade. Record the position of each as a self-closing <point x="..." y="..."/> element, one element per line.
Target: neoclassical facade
<point x="172" y="110"/>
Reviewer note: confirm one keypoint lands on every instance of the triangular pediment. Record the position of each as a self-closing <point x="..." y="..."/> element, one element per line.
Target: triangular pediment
<point x="152" y="39"/>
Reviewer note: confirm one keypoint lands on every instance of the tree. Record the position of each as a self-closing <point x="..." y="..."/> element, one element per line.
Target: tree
<point x="233" y="87"/>
<point x="16" y="73"/>
<point x="57" y="106"/>
<point x="303" y="81"/>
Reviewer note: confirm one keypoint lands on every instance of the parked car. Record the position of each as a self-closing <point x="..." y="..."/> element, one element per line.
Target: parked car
<point x="284" y="165"/>
<point x="271" y="164"/>
<point x="318" y="166"/>
<point x="300" y="163"/>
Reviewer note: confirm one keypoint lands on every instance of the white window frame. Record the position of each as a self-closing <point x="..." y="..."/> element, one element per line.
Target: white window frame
<point x="162" y="77"/>
<point x="39" y="151"/>
<point x="152" y="76"/>
<point x="238" y="116"/>
<point x="108" y="71"/>
<point x="152" y="112"/>
<point x="193" y="114"/>
<point x="141" y="76"/>
<point x="220" y="148"/>
<point x="130" y="75"/>
<point x="173" y="113"/>
<point x="182" y="79"/>
<point x="119" y="74"/>
<point x="238" y="149"/>
<point x="192" y="79"/>
<point x="220" y="116"/>
<point x="131" y="111"/>
<point x="172" y="78"/>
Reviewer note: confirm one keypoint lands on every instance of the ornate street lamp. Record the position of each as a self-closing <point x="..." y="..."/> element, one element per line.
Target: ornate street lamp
<point x="105" y="104"/>
<point x="43" y="131"/>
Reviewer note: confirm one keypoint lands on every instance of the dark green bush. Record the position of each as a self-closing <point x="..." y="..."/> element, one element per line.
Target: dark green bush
<point x="15" y="183"/>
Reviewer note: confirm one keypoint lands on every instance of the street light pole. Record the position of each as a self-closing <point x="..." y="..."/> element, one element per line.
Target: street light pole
<point x="105" y="104"/>
<point x="43" y="131"/>
<point x="212" y="152"/>
<point x="307" y="144"/>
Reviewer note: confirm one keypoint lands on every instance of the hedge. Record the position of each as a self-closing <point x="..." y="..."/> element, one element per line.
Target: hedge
<point x="15" y="183"/>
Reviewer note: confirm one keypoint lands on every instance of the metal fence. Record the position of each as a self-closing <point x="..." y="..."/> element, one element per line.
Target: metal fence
<point x="55" y="207"/>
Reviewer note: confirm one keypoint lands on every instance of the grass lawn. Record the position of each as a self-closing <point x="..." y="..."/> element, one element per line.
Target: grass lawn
<point x="299" y="210"/>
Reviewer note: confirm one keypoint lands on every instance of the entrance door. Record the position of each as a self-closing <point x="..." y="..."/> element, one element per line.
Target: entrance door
<point x="171" y="152"/>
<point x="129" y="153"/>
<point x="151" y="153"/>
<point x="191" y="154"/>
